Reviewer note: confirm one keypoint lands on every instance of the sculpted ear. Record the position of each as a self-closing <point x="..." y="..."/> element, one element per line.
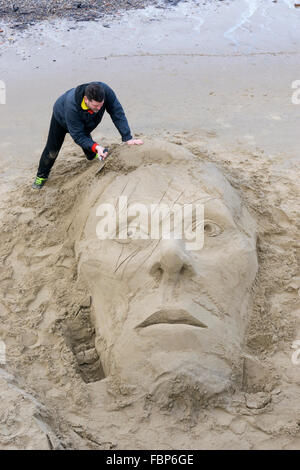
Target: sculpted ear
<point x="79" y="335"/>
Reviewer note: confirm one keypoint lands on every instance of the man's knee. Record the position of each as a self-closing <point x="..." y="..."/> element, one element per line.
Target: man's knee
<point x="52" y="155"/>
<point x="89" y="154"/>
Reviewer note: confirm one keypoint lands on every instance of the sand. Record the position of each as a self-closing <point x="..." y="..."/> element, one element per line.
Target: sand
<point x="42" y="303"/>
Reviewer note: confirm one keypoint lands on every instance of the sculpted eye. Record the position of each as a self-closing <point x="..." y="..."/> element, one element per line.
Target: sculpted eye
<point x="211" y="229"/>
<point x="122" y="241"/>
<point x="123" y="235"/>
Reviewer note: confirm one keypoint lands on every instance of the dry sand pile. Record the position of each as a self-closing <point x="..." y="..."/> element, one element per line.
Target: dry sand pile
<point x="53" y="394"/>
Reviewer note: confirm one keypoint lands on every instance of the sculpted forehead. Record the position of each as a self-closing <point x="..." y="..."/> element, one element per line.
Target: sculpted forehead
<point x="174" y="184"/>
<point x="165" y="170"/>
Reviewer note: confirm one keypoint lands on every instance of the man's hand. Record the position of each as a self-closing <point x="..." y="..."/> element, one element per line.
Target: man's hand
<point x="100" y="152"/>
<point x="134" y="142"/>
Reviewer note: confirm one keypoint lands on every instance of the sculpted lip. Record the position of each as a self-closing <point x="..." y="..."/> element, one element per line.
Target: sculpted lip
<point x="171" y="316"/>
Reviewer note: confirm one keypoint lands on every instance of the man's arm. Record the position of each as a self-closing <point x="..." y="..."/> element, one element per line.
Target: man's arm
<point x="116" y="112"/>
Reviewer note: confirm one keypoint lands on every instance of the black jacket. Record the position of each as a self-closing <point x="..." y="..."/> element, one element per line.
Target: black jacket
<point x="80" y="123"/>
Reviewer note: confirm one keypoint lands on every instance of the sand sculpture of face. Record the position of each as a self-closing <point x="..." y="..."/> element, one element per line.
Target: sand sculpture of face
<point x="164" y="313"/>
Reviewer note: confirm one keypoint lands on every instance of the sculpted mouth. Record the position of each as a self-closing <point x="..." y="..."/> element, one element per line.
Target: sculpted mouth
<point x="171" y="316"/>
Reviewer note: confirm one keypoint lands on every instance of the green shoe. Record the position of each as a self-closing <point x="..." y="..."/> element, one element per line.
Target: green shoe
<point x="39" y="182"/>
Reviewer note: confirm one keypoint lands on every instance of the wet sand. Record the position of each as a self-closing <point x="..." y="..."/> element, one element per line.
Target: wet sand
<point x="222" y="69"/>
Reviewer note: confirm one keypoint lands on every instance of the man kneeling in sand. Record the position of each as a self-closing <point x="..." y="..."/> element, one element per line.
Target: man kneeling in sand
<point x="78" y="112"/>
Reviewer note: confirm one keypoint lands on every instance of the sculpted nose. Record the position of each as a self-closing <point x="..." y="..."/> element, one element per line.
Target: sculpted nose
<point x="171" y="261"/>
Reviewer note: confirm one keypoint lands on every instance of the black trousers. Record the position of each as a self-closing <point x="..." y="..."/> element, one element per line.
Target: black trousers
<point x="54" y="143"/>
